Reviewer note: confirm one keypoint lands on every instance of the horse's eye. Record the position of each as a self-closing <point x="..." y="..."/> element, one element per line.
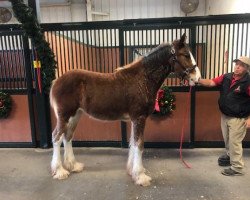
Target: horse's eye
<point x="187" y="55"/>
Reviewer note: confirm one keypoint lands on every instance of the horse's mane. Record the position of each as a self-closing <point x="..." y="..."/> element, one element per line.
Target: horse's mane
<point x="158" y="54"/>
<point x="130" y="65"/>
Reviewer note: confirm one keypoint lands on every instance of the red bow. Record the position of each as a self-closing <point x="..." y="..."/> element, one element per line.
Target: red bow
<point x="159" y="96"/>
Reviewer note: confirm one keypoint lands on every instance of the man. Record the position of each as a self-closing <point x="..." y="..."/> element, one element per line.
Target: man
<point x="234" y="104"/>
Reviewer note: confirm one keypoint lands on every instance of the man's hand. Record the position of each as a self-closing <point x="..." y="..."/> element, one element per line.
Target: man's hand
<point x="206" y="82"/>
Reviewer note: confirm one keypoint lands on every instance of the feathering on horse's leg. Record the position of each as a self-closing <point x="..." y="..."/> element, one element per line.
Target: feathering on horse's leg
<point x="138" y="171"/>
<point x="58" y="172"/>
<point x="131" y="152"/>
<point x="70" y="162"/>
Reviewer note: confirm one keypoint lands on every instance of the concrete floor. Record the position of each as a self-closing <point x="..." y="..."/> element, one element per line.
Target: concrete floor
<point x="25" y="175"/>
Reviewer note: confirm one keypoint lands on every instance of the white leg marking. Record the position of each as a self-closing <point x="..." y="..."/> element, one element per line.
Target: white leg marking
<point x="130" y="159"/>
<point x="138" y="171"/>
<point x="74" y="120"/>
<point x="69" y="158"/>
<point x="58" y="172"/>
<point x="131" y="152"/>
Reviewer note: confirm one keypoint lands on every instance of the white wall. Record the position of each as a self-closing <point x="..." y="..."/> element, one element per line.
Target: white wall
<point x="218" y="7"/>
<point x="75" y="10"/>
<point x="134" y="9"/>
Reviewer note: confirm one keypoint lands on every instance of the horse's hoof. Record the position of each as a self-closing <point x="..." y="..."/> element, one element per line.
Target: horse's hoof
<point x="73" y="166"/>
<point x="143" y="180"/>
<point x="60" y="174"/>
<point x="129" y="171"/>
<point x="78" y="167"/>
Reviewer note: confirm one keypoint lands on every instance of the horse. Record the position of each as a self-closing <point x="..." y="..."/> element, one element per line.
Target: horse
<point x="126" y="94"/>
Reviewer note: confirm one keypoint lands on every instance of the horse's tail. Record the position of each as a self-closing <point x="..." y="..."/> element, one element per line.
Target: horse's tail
<point x="51" y="95"/>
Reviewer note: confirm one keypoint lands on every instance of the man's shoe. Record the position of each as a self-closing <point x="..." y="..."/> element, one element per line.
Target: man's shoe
<point x="224" y="160"/>
<point x="230" y="172"/>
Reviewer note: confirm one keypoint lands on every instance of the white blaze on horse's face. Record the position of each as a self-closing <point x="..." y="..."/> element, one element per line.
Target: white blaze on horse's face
<point x="196" y="74"/>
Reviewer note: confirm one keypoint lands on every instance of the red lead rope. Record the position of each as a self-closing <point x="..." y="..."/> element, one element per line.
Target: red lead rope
<point x="183" y="126"/>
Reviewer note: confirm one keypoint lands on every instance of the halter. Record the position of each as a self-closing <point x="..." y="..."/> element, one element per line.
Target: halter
<point x="186" y="71"/>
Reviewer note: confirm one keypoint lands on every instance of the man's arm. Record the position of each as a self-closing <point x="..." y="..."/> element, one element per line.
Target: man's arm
<point x="207" y="82"/>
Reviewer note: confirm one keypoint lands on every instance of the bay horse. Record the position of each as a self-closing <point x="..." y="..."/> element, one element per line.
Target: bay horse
<point x="127" y="94"/>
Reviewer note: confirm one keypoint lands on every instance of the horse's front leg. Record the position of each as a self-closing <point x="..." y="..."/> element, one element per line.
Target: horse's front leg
<point x="70" y="162"/>
<point x="135" y="155"/>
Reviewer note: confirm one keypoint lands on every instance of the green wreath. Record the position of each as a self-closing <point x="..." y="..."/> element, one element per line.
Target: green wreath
<point x="165" y="102"/>
<point x="25" y="15"/>
<point x="5" y="105"/>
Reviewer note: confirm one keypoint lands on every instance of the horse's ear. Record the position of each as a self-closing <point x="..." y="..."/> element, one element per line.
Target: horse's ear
<point x="183" y="39"/>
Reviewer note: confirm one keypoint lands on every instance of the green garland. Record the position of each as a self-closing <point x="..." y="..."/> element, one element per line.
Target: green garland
<point x="5" y="105"/>
<point x="32" y="28"/>
<point x="165" y="102"/>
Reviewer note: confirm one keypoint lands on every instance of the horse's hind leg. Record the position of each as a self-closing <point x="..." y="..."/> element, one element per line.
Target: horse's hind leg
<point x="135" y="157"/>
<point x="70" y="162"/>
<point x="131" y="152"/>
<point x="58" y="172"/>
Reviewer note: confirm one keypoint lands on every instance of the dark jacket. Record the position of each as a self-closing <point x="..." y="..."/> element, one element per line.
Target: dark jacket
<point x="234" y="101"/>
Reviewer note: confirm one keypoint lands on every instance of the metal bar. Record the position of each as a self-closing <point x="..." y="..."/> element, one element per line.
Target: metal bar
<point x="192" y="99"/>
<point x="99" y="47"/>
<point x="237" y="36"/>
<point x="16" y="71"/>
<point x="107" y="37"/>
<point x="129" y="59"/>
<point x="56" y="54"/>
<point x="215" y="52"/>
<point x="219" y="50"/>
<point x="79" y="47"/>
<point x="224" y="62"/>
<point x="87" y="34"/>
<point x="206" y="52"/>
<point x="150" y="39"/>
<point x="171" y="79"/>
<point x="75" y="66"/>
<point x="125" y="48"/>
<point x="84" y="49"/>
<point x="63" y="55"/>
<point x="167" y="31"/>
<point x="211" y="45"/>
<point x="103" y="51"/>
<point x="232" y="47"/>
<point x="66" y="45"/>
<point x="4" y="74"/>
<point x="198" y="42"/>
<point x="124" y="142"/>
<point x="116" y="47"/>
<point x="242" y="36"/>
<point x="71" y="52"/>
<point x="111" y="46"/>
<point x="203" y="49"/>
<point x="229" y="30"/>
<point x="12" y="63"/>
<point x="111" y="50"/>
<point x="92" y="49"/>
<point x="8" y="61"/>
<point x="95" y="47"/>
<point x="246" y="39"/>
<point x="29" y="88"/>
